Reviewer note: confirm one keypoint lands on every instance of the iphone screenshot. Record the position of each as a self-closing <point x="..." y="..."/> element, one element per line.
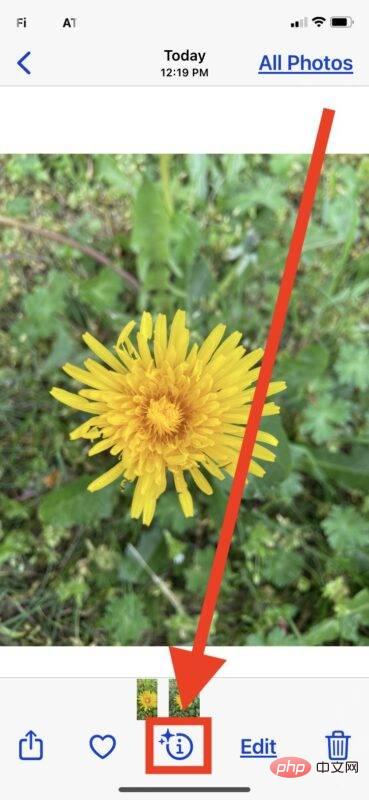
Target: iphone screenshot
<point x="184" y="414"/>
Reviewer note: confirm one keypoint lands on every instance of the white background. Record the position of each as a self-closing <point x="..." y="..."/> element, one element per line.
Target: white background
<point x="135" y="661"/>
<point x="186" y="120"/>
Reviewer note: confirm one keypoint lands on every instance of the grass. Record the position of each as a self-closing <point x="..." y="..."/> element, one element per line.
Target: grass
<point x="86" y="243"/>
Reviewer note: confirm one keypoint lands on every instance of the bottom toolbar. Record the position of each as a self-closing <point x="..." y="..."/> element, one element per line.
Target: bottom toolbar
<point x="113" y="736"/>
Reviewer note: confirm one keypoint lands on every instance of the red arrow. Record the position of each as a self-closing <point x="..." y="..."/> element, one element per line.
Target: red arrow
<point x="193" y="669"/>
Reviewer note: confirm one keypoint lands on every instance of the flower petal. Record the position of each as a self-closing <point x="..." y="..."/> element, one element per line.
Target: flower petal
<point x="82" y="432"/>
<point x="211" y="343"/>
<point x="267" y="438"/>
<point x="102" y="352"/>
<point x="201" y="481"/>
<point x="146" y="325"/>
<point x="83" y="376"/>
<point x="104" y="444"/>
<point x="160" y="339"/>
<point x="75" y="401"/>
<point x="124" y="334"/>
<point x="106" y="478"/>
<point x="186" y="502"/>
<point x="262" y="452"/>
<point x="148" y="510"/>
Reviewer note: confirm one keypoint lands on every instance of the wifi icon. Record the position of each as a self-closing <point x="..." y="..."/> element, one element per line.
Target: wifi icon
<point x="318" y="21"/>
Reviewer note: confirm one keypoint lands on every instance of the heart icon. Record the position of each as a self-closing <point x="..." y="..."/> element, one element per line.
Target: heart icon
<point x="103" y="746"/>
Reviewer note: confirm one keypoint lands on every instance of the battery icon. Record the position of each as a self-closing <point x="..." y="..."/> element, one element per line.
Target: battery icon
<point x="341" y="22"/>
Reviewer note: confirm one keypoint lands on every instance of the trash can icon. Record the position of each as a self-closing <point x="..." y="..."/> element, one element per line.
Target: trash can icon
<point x="338" y="745"/>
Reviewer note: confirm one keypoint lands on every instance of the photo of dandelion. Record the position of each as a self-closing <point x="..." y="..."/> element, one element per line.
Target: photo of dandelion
<point x="147" y="698"/>
<point x="174" y="410"/>
<point x="175" y="705"/>
<point x="136" y="293"/>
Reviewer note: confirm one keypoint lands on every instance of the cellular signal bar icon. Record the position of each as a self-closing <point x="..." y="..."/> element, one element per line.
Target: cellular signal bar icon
<point x="300" y="23"/>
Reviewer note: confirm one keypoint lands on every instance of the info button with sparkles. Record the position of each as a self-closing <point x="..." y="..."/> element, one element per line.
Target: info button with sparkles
<point x="178" y="745"/>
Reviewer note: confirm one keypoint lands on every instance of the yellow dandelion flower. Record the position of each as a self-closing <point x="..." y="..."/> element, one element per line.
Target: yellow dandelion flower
<point x="178" y="701"/>
<point x="164" y="409"/>
<point x="147" y="700"/>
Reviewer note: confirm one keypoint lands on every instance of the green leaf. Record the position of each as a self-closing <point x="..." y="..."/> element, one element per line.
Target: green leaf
<point x="283" y="165"/>
<point x="170" y="515"/>
<point x="322" y="633"/>
<point x="126" y="620"/>
<point x="16" y="544"/>
<point x="72" y="504"/>
<point x="352" y="615"/>
<point x="62" y="350"/>
<point x="185" y="239"/>
<point x="346" y="529"/>
<point x="217" y="501"/>
<point x="358" y="606"/>
<point x="150" y="237"/>
<point x="12" y="509"/>
<point x="198" y="171"/>
<point x="43" y="307"/>
<point x="348" y="470"/>
<point x="277" y="637"/>
<point x="102" y="291"/>
<point x="22" y="166"/>
<point x="109" y="172"/>
<point x="341" y="213"/>
<point x="75" y="589"/>
<point x="197" y="573"/>
<point x="283" y="567"/>
<point x="352" y="366"/>
<point x="18" y="206"/>
<point x="301" y="369"/>
<point x="199" y="283"/>
<point x="291" y="488"/>
<point x="324" y="417"/>
<point x="265" y="193"/>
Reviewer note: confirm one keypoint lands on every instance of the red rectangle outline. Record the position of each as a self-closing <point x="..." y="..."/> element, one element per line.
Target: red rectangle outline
<point x="204" y="769"/>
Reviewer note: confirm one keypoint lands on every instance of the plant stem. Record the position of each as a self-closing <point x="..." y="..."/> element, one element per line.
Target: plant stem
<point x="53" y="236"/>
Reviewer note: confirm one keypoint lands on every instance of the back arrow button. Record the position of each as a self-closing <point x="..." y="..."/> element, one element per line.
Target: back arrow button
<point x="21" y="63"/>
